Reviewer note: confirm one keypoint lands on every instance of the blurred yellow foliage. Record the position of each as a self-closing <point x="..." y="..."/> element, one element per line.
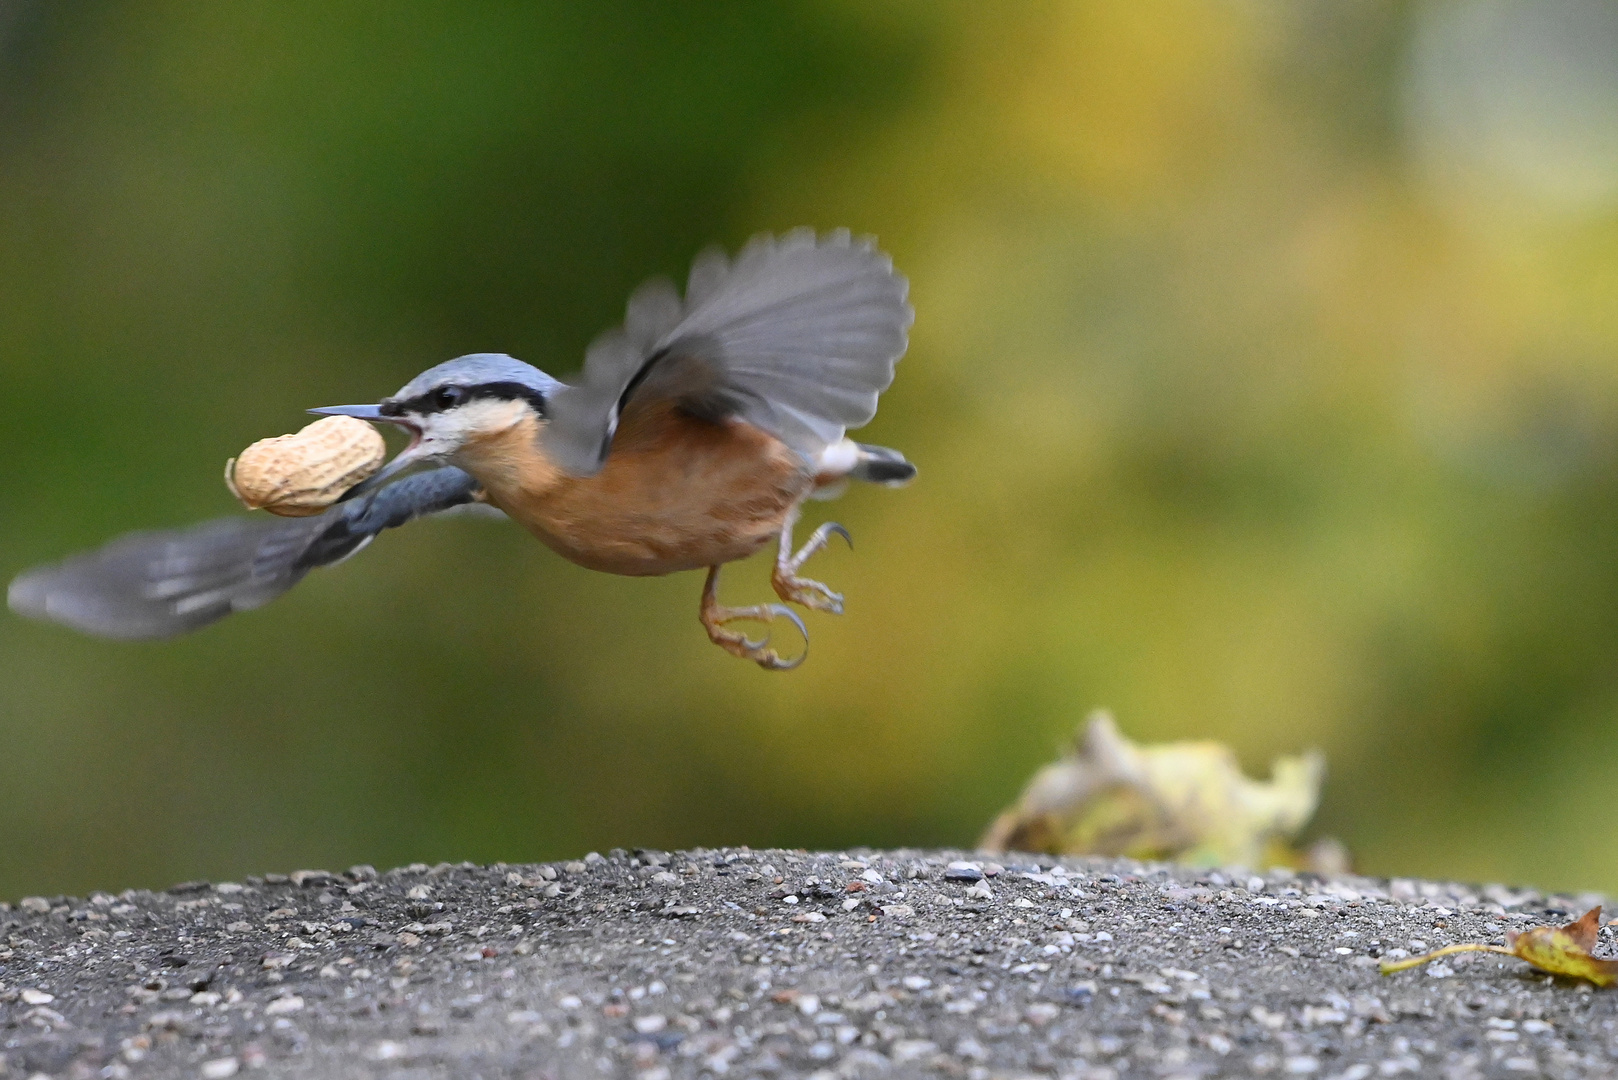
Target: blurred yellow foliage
<point x="1186" y="802"/>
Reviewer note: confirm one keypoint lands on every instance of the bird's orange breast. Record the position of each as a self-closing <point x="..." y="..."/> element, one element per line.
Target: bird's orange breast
<point x="676" y="492"/>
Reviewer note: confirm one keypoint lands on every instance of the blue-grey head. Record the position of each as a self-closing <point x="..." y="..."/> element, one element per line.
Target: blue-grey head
<point x="453" y="402"/>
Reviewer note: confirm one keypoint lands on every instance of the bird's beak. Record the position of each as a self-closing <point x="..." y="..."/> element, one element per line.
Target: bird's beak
<point x="362" y="412"/>
<point x="401" y="461"/>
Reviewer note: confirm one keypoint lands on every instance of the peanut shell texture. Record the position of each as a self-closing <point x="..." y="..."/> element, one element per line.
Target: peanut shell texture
<point x="299" y="475"/>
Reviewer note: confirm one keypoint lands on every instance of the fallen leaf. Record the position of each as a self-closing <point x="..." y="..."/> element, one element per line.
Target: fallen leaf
<point x="1186" y="801"/>
<point x="1556" y="950"/>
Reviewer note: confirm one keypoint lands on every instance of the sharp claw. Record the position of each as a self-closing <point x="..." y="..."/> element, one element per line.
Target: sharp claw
<point x="769" y="659"/>
<point x="811" y="594"/>
<point x="787" y="613"/>
<point x="775" y="663"/>
<point x="758" y="651"/>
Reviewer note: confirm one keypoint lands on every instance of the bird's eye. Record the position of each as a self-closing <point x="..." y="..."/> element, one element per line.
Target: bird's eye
<point x="447" y="397"/>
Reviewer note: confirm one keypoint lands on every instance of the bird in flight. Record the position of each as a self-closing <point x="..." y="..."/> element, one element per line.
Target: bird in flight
<point x="691" y="439"/>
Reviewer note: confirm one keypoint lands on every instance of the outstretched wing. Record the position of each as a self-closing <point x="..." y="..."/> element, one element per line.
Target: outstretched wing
<point x="159" y="584"/>
<point x="798" y="335"/>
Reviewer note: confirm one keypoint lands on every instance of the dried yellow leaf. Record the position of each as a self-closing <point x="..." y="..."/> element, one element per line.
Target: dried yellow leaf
<point x="299" y="475"/>
<point x="1556" y="950"/>
<point x="1566" y="950"/>
<point x="1184" y="801"/>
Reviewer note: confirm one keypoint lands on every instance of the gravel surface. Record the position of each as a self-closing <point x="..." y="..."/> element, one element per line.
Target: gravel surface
<point x="783" y="964"/>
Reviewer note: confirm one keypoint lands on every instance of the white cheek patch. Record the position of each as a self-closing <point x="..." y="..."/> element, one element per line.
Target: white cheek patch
<point x="446" y="432"/>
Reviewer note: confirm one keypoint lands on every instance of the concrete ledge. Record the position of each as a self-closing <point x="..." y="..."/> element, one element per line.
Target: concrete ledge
<point x="775" y="963"/>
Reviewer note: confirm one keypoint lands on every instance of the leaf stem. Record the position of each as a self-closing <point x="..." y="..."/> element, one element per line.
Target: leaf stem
<point x="1388" y="967"/>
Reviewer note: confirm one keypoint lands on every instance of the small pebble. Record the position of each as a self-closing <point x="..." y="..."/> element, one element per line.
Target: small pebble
<point x="970" y="1049"/>
<point x="1043" y="1012"/>
<point x="386" y="1050"/>
<point x="908" y="1050"/>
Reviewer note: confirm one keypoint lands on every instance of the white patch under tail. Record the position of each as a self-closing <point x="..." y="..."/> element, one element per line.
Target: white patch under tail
<point x="837" y="460"/>
<point x="847" y="460"/>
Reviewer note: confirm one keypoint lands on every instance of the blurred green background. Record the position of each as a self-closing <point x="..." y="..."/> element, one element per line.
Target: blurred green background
<point x="1264" y="386"/>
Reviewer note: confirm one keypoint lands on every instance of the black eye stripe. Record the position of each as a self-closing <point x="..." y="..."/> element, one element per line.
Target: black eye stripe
<point x="442" y="398"/>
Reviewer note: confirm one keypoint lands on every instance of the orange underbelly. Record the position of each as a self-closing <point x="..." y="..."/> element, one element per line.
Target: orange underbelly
<point x="676" y="493"/>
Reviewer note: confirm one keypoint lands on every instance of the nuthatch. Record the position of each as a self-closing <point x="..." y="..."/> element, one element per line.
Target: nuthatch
<point x="692" y="438"/>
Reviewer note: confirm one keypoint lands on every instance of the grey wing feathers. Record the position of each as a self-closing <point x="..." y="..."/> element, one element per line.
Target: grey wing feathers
<point x="159" y="584"/>
<point x="798" y="335"/>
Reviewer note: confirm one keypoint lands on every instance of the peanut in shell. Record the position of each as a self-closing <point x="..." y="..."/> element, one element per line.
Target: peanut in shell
<point x="299" y="475"/>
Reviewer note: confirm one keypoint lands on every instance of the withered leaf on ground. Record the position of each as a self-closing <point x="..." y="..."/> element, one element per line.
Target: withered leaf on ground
<point x="1186" y="801"/>
<point x="1556" y="950"/>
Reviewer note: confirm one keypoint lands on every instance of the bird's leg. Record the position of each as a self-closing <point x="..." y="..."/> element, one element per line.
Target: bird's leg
<point x="788" y="585"/>
<point x="715" y="615"/>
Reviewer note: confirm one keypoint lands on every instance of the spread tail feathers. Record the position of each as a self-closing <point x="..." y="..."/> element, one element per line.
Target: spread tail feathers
<point x="880" y="465"/>
<point x="159" y="584"/>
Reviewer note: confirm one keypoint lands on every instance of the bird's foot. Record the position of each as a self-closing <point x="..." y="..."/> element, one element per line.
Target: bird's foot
<point x="715" y="615"/>
<point x="799" y="590"/>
